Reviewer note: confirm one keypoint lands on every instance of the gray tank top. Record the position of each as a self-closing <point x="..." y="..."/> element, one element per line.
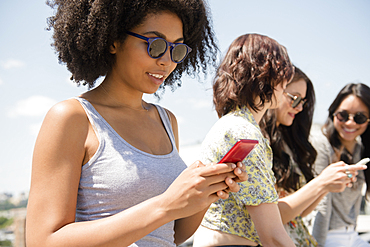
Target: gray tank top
<point x="120" y="176"/>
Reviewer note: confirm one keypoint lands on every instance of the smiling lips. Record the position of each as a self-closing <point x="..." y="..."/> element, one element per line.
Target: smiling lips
<point x="158" y="76"/>
<point x="349" y="130"/>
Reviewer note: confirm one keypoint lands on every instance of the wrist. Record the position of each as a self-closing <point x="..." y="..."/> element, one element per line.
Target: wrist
<point x="321" y="185"/>
<point x="162" y="208"/>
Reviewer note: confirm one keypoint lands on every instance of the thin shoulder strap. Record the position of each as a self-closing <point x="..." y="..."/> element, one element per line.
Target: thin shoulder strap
<point x="93" y="116"/>
<point x="166" y="120"/>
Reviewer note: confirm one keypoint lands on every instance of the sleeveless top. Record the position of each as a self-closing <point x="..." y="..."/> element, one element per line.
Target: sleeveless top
<point x="120" y="176"/>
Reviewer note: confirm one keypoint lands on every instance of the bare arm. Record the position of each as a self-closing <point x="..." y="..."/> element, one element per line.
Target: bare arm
<point x="58" y="156"/>
<point x="266" y="218"/>
<point x="332" y="179"/>
<point x="185" y="227"/>
<point x="57" y="161"/>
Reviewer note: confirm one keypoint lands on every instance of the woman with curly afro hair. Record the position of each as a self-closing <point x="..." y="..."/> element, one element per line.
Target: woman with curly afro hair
<point x="106" y="169"/>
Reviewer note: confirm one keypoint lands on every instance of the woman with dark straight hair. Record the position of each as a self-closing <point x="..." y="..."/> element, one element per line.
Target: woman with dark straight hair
<point x="345" y="136"/>
<point x="288" y="129"/>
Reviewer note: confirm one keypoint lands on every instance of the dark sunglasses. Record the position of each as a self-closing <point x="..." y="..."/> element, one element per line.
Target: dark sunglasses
<point x="358" y="117"/>
<point x="296" y="100"/>
<point x="157" y="47"/>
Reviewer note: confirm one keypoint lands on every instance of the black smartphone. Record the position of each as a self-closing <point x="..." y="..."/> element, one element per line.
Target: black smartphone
<point x="239" y="151"/>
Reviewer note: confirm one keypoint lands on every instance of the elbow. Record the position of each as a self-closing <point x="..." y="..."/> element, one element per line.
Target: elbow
<point x="32" y="241"/>
<point x="274" y="243"/>
<point x="180" y="239"/>
<point x="34" y="238"/>
<point x="277" y="239"/>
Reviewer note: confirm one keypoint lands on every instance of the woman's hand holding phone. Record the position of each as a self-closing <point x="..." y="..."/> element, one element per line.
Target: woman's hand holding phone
<point x="239" y="151"/>
<point x="236" y="155"/>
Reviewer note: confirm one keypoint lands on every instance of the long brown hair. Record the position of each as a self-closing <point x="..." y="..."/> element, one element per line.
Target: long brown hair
<point x="252" y="67"/>
<point x="295" y="137"/>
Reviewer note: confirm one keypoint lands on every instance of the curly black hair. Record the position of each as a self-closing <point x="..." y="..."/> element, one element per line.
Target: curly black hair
<point x="295" y="137"/>
<point x="252" y="67"/>
<point x="85" y="29"/>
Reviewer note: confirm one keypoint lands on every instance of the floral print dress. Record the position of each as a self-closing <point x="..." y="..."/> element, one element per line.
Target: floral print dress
<point x="231" y="215"/>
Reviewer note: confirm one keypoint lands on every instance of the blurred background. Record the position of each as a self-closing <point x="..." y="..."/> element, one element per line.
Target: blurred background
<point x="328" y="40"/>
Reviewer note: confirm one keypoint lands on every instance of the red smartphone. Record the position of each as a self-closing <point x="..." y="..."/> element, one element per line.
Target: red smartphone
<point x="239" y="151"/>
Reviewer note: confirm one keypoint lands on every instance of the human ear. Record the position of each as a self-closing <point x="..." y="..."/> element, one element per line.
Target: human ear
<point x="113" y="48"/>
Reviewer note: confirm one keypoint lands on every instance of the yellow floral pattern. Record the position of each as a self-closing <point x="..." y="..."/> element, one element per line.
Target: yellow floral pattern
<point x="231" y="215"/>
<point x="298" y="232"/>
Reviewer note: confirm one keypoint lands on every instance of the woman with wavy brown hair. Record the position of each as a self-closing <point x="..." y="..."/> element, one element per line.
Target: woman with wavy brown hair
<point x="251" y="79"/>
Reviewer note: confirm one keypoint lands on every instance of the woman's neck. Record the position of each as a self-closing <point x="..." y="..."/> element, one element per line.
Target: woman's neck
<point x="120" y="95"/>
<point x="257" y="114"/>
<point x="349" y="145"/>
<point x="261" y="110"/>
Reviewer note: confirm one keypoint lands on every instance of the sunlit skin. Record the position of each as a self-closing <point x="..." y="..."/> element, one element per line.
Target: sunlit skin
<point x="67" y="141"/>
<point x="349" y="130"/>
<point x="279" y="94"/>
<point x="285" y="112"/>
<point x="331" y="179"/>
<point x="135" y="68"/>
<point x="134" y="74"/>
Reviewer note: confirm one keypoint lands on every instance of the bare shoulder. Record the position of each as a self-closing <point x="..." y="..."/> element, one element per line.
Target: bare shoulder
<point x="172" y="117"/>
<point x="66" y="109"/>
<point x="67" y="112"/>
<point x="65" y="121"/>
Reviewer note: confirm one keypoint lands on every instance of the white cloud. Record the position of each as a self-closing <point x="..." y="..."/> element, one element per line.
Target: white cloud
<point x="1" y="81"/>
<point x="33" y="106"/>
<point x="12" y="63"/>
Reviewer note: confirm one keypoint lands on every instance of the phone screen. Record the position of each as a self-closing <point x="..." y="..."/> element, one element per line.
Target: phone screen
<point x="239" y="151"/>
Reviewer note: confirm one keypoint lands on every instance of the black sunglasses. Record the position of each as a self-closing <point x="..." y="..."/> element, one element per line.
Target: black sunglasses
<point x="358" y="117"/>
<point x="157" y="47"/>
<point x="296" y="100"/>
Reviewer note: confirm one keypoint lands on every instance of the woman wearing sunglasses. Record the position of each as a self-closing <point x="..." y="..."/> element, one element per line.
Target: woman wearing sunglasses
<point x="288" y="128"/>
<point x="345" y="136"/>
<point x="251" y="79"/>
<point x="106" y="169"/>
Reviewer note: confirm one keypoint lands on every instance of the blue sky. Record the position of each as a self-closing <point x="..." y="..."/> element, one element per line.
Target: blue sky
<point x="329" y="40"/>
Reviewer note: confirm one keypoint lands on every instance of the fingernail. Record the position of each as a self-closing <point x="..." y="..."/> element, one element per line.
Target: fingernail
<point x="238" y="171"/>
<point x="221" y="193"/>
<point x="233" y="166"/>
<point x="230" y="181"/>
